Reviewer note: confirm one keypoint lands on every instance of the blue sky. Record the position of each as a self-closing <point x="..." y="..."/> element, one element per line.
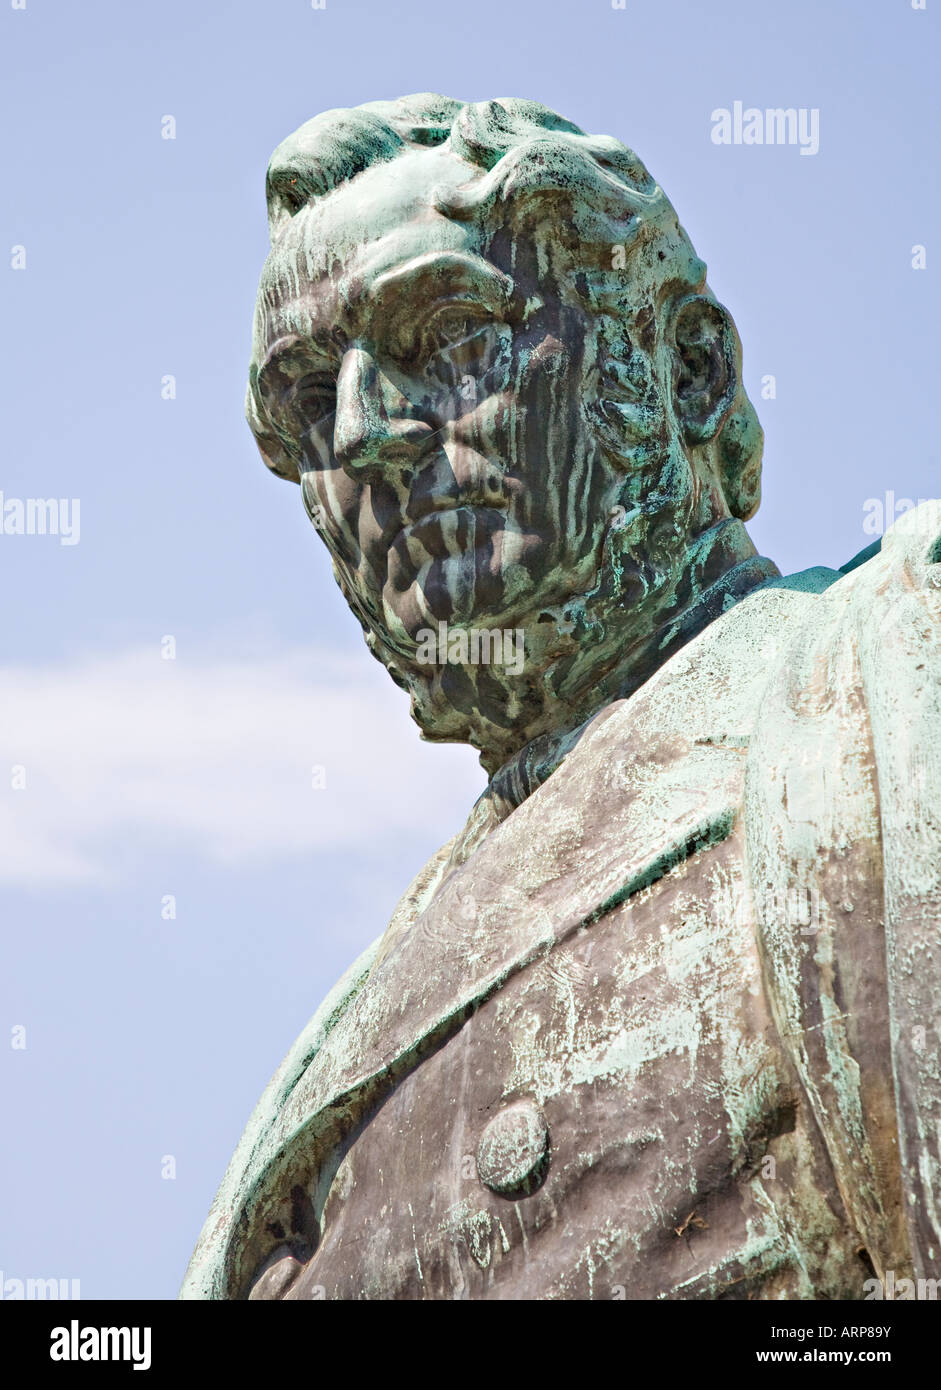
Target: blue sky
<point x="149" y="1036"/>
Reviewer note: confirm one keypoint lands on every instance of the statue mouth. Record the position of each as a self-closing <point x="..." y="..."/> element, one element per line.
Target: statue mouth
<point x="471" y="486"/>
<point x="431" y="519"/>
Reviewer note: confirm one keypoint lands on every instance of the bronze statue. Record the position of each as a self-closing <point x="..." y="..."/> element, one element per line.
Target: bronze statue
<point x="660" y="1021"/>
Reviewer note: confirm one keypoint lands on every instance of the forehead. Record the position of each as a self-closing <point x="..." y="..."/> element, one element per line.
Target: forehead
<point x="330" y="255"/>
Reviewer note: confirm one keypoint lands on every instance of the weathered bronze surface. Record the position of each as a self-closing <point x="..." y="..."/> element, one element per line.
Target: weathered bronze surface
<point x="661" y="1021"/>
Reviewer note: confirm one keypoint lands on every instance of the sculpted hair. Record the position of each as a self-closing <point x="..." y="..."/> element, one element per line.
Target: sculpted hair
<point x="614" y="214"/>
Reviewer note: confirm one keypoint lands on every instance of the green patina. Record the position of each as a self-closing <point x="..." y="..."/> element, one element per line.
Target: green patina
<point x="595" y="1049"/>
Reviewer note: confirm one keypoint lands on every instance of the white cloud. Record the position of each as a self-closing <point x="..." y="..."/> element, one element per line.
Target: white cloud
<point x="131" y="751"/>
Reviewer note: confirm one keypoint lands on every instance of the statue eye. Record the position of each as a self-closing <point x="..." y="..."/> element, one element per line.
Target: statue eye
<point x="451" y="330"/>
<point x="313" y="397"/>
<point x="456" y="339"/>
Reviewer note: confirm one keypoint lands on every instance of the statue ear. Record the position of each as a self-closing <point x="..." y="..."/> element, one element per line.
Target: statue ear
<point x="705" y="367"/>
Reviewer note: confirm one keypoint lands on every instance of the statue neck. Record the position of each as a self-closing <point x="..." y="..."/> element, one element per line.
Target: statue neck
<point x="731" y="568"/>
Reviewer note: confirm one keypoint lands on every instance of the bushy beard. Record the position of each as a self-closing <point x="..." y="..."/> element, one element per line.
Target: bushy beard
<point x="570" y="645"/>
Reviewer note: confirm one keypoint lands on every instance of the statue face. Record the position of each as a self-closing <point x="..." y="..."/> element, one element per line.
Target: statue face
<point x="435" y="385"/>
<point x="486" y="347"/>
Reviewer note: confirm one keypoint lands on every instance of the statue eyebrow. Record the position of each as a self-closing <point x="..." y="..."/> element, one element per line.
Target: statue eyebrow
<point x="394" y="299"/>
<point x="293" y="348"/>
<point x="440" y="275"/>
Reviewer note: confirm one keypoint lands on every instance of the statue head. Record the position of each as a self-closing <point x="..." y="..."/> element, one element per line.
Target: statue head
<point x="485" y="349"/>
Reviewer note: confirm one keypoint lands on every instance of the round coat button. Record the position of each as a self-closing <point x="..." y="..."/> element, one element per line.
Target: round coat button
<point x="513" y="1153"/>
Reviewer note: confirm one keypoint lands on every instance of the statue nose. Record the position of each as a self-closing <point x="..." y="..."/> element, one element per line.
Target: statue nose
<point x="374" y="427"/>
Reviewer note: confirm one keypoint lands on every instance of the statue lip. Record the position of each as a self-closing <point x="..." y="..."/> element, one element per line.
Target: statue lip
<point x="430" y="509"/>
<point x="430" y="498"/>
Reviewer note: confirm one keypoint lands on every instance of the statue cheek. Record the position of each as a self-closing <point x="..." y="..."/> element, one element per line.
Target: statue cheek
<point x="546" y="418"/>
